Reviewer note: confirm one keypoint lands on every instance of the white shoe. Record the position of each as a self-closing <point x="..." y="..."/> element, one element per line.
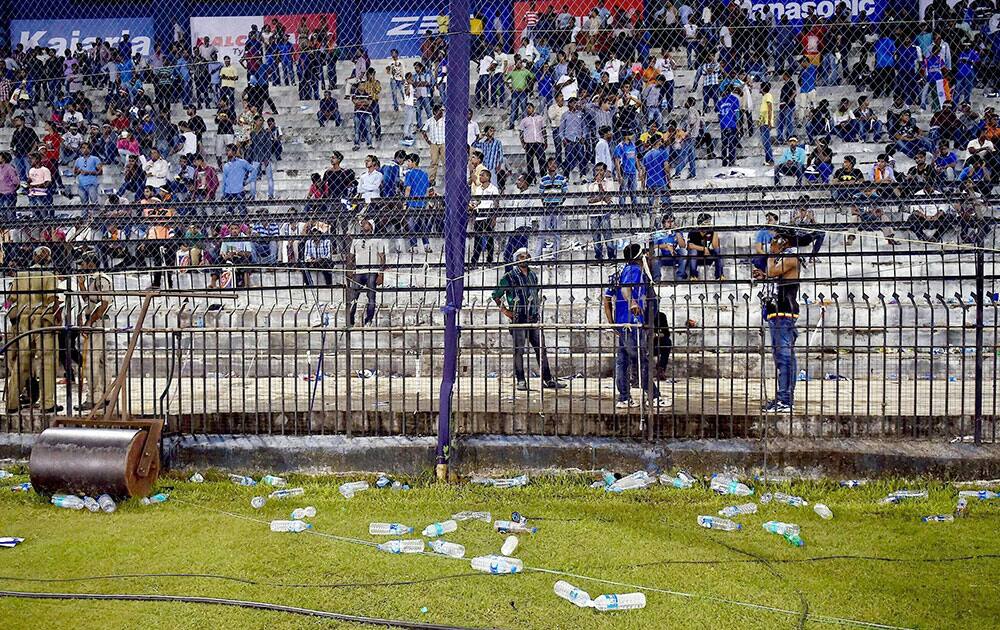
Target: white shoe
<point x="625" y="404"/>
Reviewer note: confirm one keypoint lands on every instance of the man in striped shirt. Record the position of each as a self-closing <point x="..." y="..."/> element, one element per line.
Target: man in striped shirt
<point x="553" y="188"/>
<point x="709" y="72"/>
<point x="433" y="132"/>
<point x="493" y="157"/>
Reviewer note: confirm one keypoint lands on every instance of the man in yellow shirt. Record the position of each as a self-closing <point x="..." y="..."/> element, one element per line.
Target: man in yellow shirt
<point x="442" y="21"/>
<point x="34" y="303"/>
<point x="228" y="76"/>
<point x="766" y="121"/>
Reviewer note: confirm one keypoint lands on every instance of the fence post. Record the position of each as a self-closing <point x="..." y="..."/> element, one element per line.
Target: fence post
<point x="456" y="205"/>
<point x="980" y="298"/>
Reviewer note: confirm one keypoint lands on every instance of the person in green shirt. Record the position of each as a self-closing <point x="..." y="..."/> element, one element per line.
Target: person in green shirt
<point x="520" y="80"/>
<point x="519" y="298"/>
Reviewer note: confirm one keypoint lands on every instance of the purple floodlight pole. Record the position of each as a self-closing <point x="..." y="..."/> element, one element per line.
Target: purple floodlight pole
<point x="456" y="205"/>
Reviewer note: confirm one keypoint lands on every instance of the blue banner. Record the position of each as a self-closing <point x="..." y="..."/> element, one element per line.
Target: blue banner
<point x="66" y="34"/>
<point x="402" y="30"/>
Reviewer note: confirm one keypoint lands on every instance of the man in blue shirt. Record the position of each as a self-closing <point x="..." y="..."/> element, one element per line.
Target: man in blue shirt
<point x="965" y="74"/>
<point x="762" y="242"/>
<point x="729" y="116"/>
<point x="909" y="60"/>
<point x="552" y="186"/>
<point x="87" y="168"/>
<point x="629" y="304"/>
<point x="235" y="174"/>
<point x="885" y="60"/>
<point x="655" y="164"/>
<point x="627" y="167"/>
<point x="669" y="249"/>
<point x="807" y="89"/>
<point x="416" y="184"/>
<point x="792" y="162"/>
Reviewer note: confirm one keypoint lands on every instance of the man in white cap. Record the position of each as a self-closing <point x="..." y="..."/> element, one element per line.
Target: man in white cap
<point x="518" y="296"/>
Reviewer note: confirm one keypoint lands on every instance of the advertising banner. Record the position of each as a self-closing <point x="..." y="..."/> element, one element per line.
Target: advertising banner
<point x="229" y="33"/>
<point x="65" y="34"/>
<point x="798" y="9"/>
<point x="579" y="9"/>
<point x="402" y="30"/>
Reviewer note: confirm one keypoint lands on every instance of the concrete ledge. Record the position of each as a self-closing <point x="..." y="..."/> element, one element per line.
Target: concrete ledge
<point x="415" y="455"/>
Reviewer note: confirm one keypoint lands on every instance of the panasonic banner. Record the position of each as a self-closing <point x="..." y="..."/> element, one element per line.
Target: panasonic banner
<point x="66" y="34"/>
<point x="798" y="9"/>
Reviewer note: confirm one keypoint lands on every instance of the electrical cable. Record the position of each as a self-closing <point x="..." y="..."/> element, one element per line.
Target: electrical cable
<point x="187" y="599"/>
<point x="969" y="558"/>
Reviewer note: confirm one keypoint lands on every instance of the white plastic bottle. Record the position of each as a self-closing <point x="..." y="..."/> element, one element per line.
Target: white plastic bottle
<point x="67" y="501"/>
<point x="91" y="504"/>
<point x="737" y="510"/>
<point x="513" y="526"/>
<point x="963" y="507"/>
<point x="107" y="503"/>
<point x="5" y="475"/>
<point x="824" y="512"/>
<point x="982" y="495"/>
<point x="939" y="518"/>
<point x="440" y="529"/>
<point x="675" y="482"/>
<point x="403" y="546"/>
<point x="197" y="478"/>
<point x="289" y="526"/>
<point x="271" y="480"/>
<point x="486" y="517"/>
<point x="242" y="480"/>
<point x="445" y="548"/>
<point x="286" y="493"/>
<point x="301" y="513"/>
<point x="389" y="529"/>
<point x="509" y="545"/>
<point x="714" y="522"/>
<point x="727" y="485"/>
<point x="156" y="498"/>
<point x="349" y="489"/>
<point x="258" y="502"/>
<point x="497" y="564"/>
<point x="628" y="601"/>
<point x="572" y="594"/>
<point x="782" y="529"/>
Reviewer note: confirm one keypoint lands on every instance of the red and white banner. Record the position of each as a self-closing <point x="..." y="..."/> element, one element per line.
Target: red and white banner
<point x="579" y="9"/>
<point x="229" y="33"/>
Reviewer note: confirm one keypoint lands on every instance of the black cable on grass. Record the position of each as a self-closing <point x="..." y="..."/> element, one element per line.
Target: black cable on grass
<point x="978" y="556"/>
<point x="218" y="601"/>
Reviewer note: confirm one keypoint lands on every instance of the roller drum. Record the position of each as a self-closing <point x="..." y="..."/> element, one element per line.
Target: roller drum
<point x="91" y="461"/>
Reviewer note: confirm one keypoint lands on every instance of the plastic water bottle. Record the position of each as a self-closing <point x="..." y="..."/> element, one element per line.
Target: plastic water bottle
<point x="726" y="485"/>
<point x="389" y="529"/>
<point x="241" y="480"/>
<point x="939" y="518"/>
<point x="853" y="483"/>
<point x="788" y="499"/>
<point x="289" y="526"/>
<point x="271" y="480"/>
<point x="440" y="529"/>
<point x="962" y="508"/>
<point x="91" y="504"/>
<point x="687" y="477"/>
<point x="486" y="517"/>
<point x="517" y="517"/>
<point x="5" y="475"/>
<point x="349" y="489"/>
<point x="445" y="548"/>
<point x="21" y="487"/>
<point x="197" y="478"/>
<point x="824" y="512"/>
<point x="285" y="493"/>
<point x="794" y="539"/>
<point x="509" y="545"/>
<point x="674" y="482"/>
<point x="738" y="510"/>
<point x="497" y="564"/>
<point x="403" y="546"/>
<point x="572" y="594"/>
<point x="156" y="498"/>
<point x="628" y="601"/>
<point x="714" y="522"/>
<point x="910" y="494"/>
<point x="301" y="513"/>
<point x="638" y="479"/>
<point x="891" y="499"/>
<point x="782" y="529"/>
<point x="67" y="501"/>
<point x="982" y="495"/>
<point x="513" y="482"/>
<point x="258" y="502"/>
<point x="107" y="503"/>
<point x="513" y="526"/>
<point x="608" y="477"/>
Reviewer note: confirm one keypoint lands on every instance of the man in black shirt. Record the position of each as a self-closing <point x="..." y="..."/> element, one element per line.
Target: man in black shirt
<point x="847" y="179"/>
<point x="781" y="310"/>
<point x="921" y="173"/>
<point x="22" y="143"/>
<point x="340" y="186"/>
<point x="195" y="122"/>
<point x="786" y="108"/>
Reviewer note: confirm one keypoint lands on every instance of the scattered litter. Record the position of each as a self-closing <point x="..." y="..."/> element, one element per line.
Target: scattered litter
<point x="5" y="475"/>
<point x="572" y="594"/>
<point x="349" y="489"/>
<point x="501" y="483"/>
<point x="513" y="526"/>
<point x="737" y="510"/>
<point x="10" y="541"/>
<point x="781" y="497"/>
<point x="486" y="517"/>
<point x="939" y="518"/>
<point x="445" y="548"/>
<point x="67" y="501"/>
<point x="982" y="495"/>
<point x="509" y="545"/>
<point x="389" y="529"/>
<point x="258" y="502"/>
<point x="823" y="511"/>
<point x="242" y="480"/>
<point x="21" y="487"/>
<point x="440" y="529"/>
<point x="91" y="504"/>
<point x="598" y="485"/>
<point x="832" y="376"/>
<point x="628" y="601"/>
<point x="402" y="546"/>
<point x="197" y="478"/>
<point x="424" y="610"/>
<point x="802" y="377"/>
<point x="728" y="485"/>
<point x="853" y="483"/>
<point x="899" y="495"/>
<point x="301" y="513"/>
<point x="517" y="517"/>
<point x="497" y="564"/>
<point x="382" y="481"/>
<point x="962" y="509"/>
<point x="286" y="492"/>
<point x="156" y="498"/>
<point x="782" y="529"/>
<point x="724" y="524"/>
<point x="795" y="539"/>
<point x="638" y="479"/>
<point x="289" y="526"/>
<point x="271" y="480"/>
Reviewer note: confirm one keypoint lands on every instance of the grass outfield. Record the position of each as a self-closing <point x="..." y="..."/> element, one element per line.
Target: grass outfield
<point x="646" y="537"/>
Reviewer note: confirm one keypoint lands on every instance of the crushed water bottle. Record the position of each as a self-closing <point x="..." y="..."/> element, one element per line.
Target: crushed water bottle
<point x="349" y="489"/>
<point x="853" y="483"/>
<point x="389" y="529"/>
<point x="497" y="564"/>
<point x="301" y="513"/>
<point x="513" y="526"/>
<point x="782" y="529"/>
<point x="794" y="539"/>
<point x="781" y="497"/>
<point x="289" y="526"/>
<point x="21" y="487"/>
<point x="156" y="498"/>
<point x="962" y="508"/>
<point x="939" y="518"/>
<point x="628" y="601"/>
<point x="10" y="541"/>
<point x="687" y="477"/>
<point x="738" y="510"/>
<point x="513" y="482"/>
<point x="107" y="503"/>
<point x="383" y="482"/>
<point x="823" y="511"/>
<point x="91" y="504"/>
<point x="258" y="502"/>
<point x="714" y="522"/>
<point x="67" y="501"/>
<point x="572" y="594"/>
<point x="286" y="493"/>
<point x="674" y="482"/>
<point x="440" y="529"/>
<point x="486" y="517"/>
<point x="402" y="546"/>
<point x="635" y="481"/>
<point x="982" y="495"/>
<point x="509" y="545"/>
<point x="241" y="480"/>
<point x="728" y="485"/>
<point x="445" y="548"/>
<point x="271" y="480"/>
<point x="197" y="478"/>
<point x="909" y="494"/>
<point x="5" y="475"/>
<point x="891" y="499"/>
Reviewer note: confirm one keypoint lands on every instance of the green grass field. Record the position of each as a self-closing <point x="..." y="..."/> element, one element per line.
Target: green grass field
<point x="646" y="538"/>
